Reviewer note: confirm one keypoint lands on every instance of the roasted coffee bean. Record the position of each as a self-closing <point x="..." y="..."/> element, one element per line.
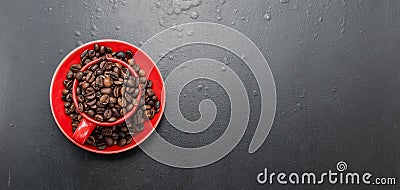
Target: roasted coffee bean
<point x="91" y="141"/>
<point x="128" y="97"/>
<point x="121" y="142"/>
<point x="114" y="75"/>
<point x="68" y="97"/>
<point x="67" y="104"/>
<point x="92" y="102"/>
<point x="108" y="65"/>
<point x="101" y="146"/>
<point x="129" y="107"/>
<point x="73" y="116"/>
<point x="112" y="119"/>
<point x="150" y="92"/>
<point x="128" y="139"/>
<point x="84" y="54"/>
<point x="113" y="100"/>
<point x="107" y="82"/>
<point x="150" y="103"/>
<point x="115" y="112"/>
<point x="91" y="113"/>
<point x="99" y="72"/>
<point x="91" y="53"/>
<point x="116" y="70"/>
<point x="136" y="67"/>
<point x="124" y="73"/>
<point x="76" y="67"/>
<point x="96" y="47"/>
<point x="100" y="111"/>
<point x="142" y="80"/>
<point x="106" y="131"/>
<point x="123" y="128"/>
<point x="109" y="141"/>
<point x="100" y="82"/>
<point x="94" y="67"/>
<point x="85" y="86"/>
<point x="65" y="92"/>
<point x="114" y="136"/>
<point x="149" y="84"/>
<point x="120" y="54"/>
<point x="68" y="84"/>
<point x="79" y="75"/>
<point x="154" y="98"/>
<point x="107" y="114"/>
<point x="91" y="97"/>
<point x="80" y="107"/>
<point x="141" y="73"/>
<point x="106" y="90"/>
<point x="121" y="134"/>
<point x="128" y="55"/>
<point x="81" y="98"/>
<point x="157" y="104"/>
<point x="98" y="117"/>
<point x="116" y="92"/>
<point x="148" y="107"/>
<point x="122" y="102"/>
<point x="102" y="50"/>
<point x="104" y="99"/>
<point x="131" y="62"/>
<point x="70" y="75"/>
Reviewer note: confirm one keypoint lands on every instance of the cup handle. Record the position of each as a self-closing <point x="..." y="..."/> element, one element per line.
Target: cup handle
<point x="83" y="131"/>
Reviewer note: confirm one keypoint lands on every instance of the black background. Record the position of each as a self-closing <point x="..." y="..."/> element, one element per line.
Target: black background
<point x="335" y="64"/>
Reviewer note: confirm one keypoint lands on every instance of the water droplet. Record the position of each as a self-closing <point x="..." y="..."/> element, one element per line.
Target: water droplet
<point x="30" y="18"/>
<point x="196" y="3"/>
<point x="320" y="19"/>
<point x="255" y="93"/>
<point x="179" y="28"/>
<point x="304" y="94"/>
<point x="94" y="27"/>
<point x="79" y="43"/>
<point x="342" y="30"/>
<point x="218" y="10"/>
<point x="222" y="1"/>
<point x="284" y="1"/>
<point x="184" y="95"/>
<point x="206" y="94"/>
<point x="60" y="51"/>
<point x="267" y="16"/>
<point x="233" y="22"/>
<point x="242" y="18"/>
<point x="177" y="10"/>
<point x="98" y="10"/>
<point x="199" y="87"/>
<point x="235" y="11"/>
<point x="194" y="15"/>
<point x="219" y="18"/>
<point x="77" y="33"/>
<point x="243" y="57"/>
<point x="11" y="125"/>
<point x="190" y="32"/>
<point x="118" y="27"/>
<point x="295" y="7"/>
<point x="161" y="21"/>
<point x="179" y="35"/>
<point x="157" y="4"/>
<point x="223" y="69"/>
<point x="333" y="89"/>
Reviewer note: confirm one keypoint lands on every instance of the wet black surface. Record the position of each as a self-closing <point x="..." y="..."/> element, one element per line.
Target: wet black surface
<point x="335" y="65"/>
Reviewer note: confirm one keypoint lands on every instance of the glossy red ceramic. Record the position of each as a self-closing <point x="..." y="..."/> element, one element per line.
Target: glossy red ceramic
<point x="57" y="105"/>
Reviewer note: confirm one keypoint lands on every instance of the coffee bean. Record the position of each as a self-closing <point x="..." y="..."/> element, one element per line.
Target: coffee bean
<point x="157" y="104"/>
<point x="142" y="80"/>
<point x="91" y="97"/>
<point x="107" y="82"/>
<point x="149" y="84"/>
<point x="70" y="74"/>
<point x="84" y="54"/>
<point x="67" y="104"/>
<point x="100" y="111"/>
<point x="129" y="107"/>
<point x="101" y="146"/>
<point x="65" y="92"/>
<point x="106" y="90"/>
<point x="128" y="139"/>
<point x="112" y="119"/>
<point x="96" y="47"/>
<point x="104" y="99"/>
<point x="98" y="117"/>
<point x="117" y="91"/>
<point x="76" y="67"/>
<point x="122" y="102"/>
<point x="115" y="112"/>
<point x="129" y="55"/>
<point x="68" y="97"/>
<point x="80" y="107"/>
<point x="91" y="141"/>
<point x="100" y="82"/>
<point x="79" y="75"/>
<point x="68" y="84"/>
<point x="113" y="100"/>
<point x="136" y="67"/>
<point x="102" y="50"/>
<point x="90" y="113"/>
<point x="121" y="142"/>
<point x="91" y="53"/>
<point x="107" y="114"/>
<point x="131" y="62"/>
<point x="120" y="54"/>
<point x="141" y="73"/>
<point x="150" y="92"/>
<point x="109" y="141"/>
<point x="94" y="67"/>
<point x="99" y="72"/>
<point x="106" y="131"/>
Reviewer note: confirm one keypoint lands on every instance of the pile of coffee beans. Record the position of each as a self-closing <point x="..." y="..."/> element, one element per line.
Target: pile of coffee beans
<point x="106" y="92"/>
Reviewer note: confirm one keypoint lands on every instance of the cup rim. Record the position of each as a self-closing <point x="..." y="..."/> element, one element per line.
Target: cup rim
<point x="122" y="118"/>
<point x="82" y="145"/>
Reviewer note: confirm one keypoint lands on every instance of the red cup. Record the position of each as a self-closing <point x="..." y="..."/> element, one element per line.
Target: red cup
<point x="87" y="124"/>
<point x="63" y="121"/>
